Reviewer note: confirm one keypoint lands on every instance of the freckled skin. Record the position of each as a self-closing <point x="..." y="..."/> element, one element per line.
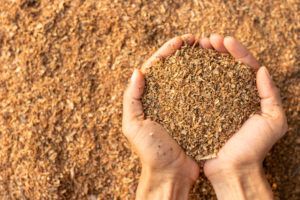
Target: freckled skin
<point x="161" y="138"/>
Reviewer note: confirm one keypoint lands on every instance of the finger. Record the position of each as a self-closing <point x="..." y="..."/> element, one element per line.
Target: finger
<point x="237" y="50"/>
<point x="188" y="38"/>
<point x="168" y="49"/>
<point x="205" y="43"/>
<point x="217" y="42"/>
<point x="270" y="99"/>
<point x="132" y="105"/>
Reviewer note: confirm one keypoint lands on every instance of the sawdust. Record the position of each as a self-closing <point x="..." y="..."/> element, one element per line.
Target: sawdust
<point x="201" y="97"/>
<point x="63" y="68"/>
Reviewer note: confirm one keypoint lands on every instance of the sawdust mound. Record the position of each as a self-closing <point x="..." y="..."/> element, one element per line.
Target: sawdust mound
<point x="201" y="97"/>
<point x="64" y="65"/>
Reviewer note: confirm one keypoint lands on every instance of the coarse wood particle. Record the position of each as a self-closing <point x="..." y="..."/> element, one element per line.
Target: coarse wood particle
<point x="201" y="97"/>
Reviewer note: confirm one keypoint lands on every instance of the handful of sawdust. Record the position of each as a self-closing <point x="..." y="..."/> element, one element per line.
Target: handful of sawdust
<point x="201" y="97"/>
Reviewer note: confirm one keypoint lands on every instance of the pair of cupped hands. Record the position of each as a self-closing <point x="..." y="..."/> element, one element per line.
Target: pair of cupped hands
<point x="236" y="172"/>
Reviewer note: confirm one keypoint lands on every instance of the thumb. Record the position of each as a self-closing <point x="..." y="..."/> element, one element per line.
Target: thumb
<point x="132" y="105"/>
<point x="271" y="105"/>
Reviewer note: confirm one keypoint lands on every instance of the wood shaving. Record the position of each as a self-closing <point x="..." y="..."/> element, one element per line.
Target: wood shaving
<point x="201" y="97"/>
<point x="64" y="65"/>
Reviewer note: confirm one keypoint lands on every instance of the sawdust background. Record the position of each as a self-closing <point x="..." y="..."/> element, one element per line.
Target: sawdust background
<point x="64" y="65"/>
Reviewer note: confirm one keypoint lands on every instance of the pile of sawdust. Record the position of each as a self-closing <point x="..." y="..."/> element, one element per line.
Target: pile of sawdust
<point x="201" y="97"/>
<point x="63" y="69"/>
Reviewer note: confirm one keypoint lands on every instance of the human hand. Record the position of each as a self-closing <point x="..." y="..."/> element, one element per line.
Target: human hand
<point x="237" y="171"/>
<point x="167" y="172"/>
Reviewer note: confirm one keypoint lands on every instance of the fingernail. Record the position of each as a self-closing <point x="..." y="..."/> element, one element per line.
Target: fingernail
<point x="214" y="35"/>
<point x="228" y="37"/>
<point x="266" y="72"/>
<point x="134" y="75"/>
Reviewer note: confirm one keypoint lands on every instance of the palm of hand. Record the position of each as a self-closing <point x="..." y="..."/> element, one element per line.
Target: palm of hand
<point x="156" y="148"/>
<point x="249" y="146"/>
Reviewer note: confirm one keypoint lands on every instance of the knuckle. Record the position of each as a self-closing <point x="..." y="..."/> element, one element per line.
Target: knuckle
<point x="276" y="124"/>
<point x="277" y="116"/>
<point x="281" y="121"/>
<point x="277" y="113"/>
<point x="130" y="129"/>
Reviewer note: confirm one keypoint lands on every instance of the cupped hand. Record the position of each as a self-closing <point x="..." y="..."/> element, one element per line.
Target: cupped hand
<point x="161" y="157"/>
<point x="238" y="164"/>
<point x="261" y="131"/>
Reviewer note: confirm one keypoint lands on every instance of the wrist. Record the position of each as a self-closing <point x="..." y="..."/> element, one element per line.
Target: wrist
<point x="243" y="182"/>
<point x="163" y="185"/>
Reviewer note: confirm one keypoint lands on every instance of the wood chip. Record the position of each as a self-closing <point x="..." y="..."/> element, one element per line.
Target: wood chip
<point x="199" y="110"/>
